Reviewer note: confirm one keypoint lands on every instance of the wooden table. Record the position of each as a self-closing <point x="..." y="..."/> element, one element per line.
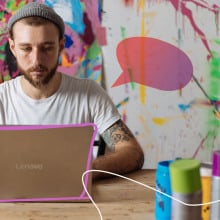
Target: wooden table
<point x="116" y="198"/>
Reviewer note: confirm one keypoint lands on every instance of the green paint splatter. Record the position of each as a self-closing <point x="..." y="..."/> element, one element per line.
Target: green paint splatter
<point x="2" y="14"/>
<point x="214" y="88"/>
<point x="7" y="77"/>
<point x="214" y="93"/>
<point x="2" y="56"/>
<point x="123" y="35"/>
<point x="217" y="41"/>
<point x="93" y="51"/>
<point x="12" y="5"/>
<point x="83" y="6"/>
<point x="2" y="47"/>
<point x="123" y="32"/>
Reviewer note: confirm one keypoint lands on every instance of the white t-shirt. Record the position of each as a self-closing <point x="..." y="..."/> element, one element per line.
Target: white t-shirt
<point x="76" y="101"/>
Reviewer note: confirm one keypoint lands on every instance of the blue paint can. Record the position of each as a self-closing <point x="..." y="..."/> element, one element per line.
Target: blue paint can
<point x="163" y="184"/>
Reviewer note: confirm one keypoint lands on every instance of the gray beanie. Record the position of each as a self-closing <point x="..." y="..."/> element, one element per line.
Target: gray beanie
<point x="38" y="10"/>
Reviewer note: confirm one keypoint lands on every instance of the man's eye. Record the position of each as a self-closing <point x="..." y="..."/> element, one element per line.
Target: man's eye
<point x="26" y="49"/>
<point x="47" y="48"/>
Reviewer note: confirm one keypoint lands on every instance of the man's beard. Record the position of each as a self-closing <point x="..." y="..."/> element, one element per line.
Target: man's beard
<point x="41" y="81"/>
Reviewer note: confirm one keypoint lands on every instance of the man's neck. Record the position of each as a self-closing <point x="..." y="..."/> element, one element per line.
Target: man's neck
<point x="43" y="91"/>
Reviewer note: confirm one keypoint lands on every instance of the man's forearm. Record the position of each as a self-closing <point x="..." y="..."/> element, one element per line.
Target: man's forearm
<point x="120" y="162"/>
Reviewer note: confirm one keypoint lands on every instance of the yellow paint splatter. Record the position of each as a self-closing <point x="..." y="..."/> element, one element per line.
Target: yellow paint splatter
<point x="217" y="114"/>
<point x="65" y="61"/>
<point x="163" y="120"/>
<point x="160" y="121"/>
<point x="144" y="123"/>
<point x="141" y="7"/>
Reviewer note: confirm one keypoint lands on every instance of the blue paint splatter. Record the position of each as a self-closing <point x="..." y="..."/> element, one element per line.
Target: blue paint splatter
<point x="75" y="10"/>
<point x="68" y="41"/>
<point x="183" y="107"/>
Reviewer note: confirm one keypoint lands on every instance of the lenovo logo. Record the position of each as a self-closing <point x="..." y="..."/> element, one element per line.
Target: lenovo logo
<point x="28" y="166"/>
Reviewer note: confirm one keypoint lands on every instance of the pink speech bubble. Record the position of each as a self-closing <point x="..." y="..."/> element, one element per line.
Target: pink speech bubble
<point x="153" y="63"/>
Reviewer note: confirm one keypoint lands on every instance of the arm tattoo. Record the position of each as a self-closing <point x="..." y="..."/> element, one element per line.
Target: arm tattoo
<point x="118" y="132"/>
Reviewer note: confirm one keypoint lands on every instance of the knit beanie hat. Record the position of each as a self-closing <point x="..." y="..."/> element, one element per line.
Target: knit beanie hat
<point x="39" y="10"/>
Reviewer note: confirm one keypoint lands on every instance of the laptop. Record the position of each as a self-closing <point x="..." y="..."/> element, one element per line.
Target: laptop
<point x="45" y="163"/>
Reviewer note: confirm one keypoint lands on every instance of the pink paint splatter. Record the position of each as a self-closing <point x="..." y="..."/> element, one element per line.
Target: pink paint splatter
<point x="201" y="146"/>
<point x="181" y="6"/>
<point x="128" y="2"/>
<point x="188" y="13"/>
<point x="164" y="66"/>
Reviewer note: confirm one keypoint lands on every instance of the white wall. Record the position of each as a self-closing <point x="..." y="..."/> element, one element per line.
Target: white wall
<point x="163" y="128"/>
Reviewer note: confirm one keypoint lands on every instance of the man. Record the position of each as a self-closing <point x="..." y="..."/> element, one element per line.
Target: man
<point x="42" y="95"/>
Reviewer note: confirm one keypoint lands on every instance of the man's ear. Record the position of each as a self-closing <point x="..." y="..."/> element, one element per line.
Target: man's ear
<point x="62" y="45"/>
<point x="12" y="46"/>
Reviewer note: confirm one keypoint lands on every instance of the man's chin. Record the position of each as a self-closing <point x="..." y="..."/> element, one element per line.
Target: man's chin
<point x="36" y="81"/>
<point x="39" y="79"/>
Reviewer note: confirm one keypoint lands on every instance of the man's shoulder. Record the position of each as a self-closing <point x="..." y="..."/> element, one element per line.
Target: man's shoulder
<point x="9" y="88"/>
<point x="82" y="82"/>
<point x="9" y="83"/>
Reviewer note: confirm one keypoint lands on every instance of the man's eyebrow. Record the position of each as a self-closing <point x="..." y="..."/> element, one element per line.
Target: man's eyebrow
<point x="43" y="43"/>
<point x="49" y="42"/>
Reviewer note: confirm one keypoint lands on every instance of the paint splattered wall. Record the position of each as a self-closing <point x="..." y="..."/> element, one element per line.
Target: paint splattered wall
<point x="162" y="70"/>
<point x="82" y="55"/>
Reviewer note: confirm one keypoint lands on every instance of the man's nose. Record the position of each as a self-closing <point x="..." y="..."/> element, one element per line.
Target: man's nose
<point x="37" y="56"/>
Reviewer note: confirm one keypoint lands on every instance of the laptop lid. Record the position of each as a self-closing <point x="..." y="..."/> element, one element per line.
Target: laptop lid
<point x="46" y="162"/>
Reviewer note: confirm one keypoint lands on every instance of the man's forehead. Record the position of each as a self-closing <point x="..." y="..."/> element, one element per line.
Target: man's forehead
<point x="46" y="32"/>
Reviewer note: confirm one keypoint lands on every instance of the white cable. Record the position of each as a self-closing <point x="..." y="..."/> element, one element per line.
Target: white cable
<point x="139" y="183"/>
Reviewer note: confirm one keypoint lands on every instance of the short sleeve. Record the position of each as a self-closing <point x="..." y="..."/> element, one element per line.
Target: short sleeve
<point x="103" y="110"/>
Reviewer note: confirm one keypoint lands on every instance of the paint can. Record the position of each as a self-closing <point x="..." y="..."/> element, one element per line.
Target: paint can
<point x="206" y="174"/>
<point x="162" y="202"/>
<point x="215" y="193"/>
<point x="186" y="187"/>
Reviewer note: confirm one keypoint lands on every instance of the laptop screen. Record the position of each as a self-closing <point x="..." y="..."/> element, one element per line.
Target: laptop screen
<point x="45" y="162"/>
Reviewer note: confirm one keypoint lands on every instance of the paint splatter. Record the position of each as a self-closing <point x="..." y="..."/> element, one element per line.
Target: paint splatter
<point x="184" y="107"/>
<point x="201" y="146"/>
<point x="160" y="121"/>
<point x="68" y="41"/>
<point x="123" y="102"/>
<point x="163" y="120"/>
<point x="123" y="34"/>
<point x="128" y="3"/>
<point x="181" y="6"/>
<point x="8" y="67"/>
<point x="82" y="55"/>
<point x="71" y="12"/>
<point x="214" y="79"/>
<point x="124" y="116"/>
<point x="214" y="92"/>
<point x="142" y="53"/>
<point x="165" y="67"/>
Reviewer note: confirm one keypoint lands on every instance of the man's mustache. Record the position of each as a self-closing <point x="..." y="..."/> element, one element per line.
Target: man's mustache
<point x="38" y="68"/>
